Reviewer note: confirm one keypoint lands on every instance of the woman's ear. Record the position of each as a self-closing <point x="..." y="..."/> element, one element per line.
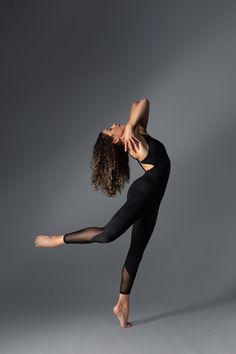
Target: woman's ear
<point x="116" y="140"/>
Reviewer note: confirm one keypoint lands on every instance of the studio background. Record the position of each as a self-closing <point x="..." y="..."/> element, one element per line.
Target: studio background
<point x="70" y="69"/>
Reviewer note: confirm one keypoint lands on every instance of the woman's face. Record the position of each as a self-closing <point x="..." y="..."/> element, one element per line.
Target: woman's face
<point x="116" y="130"/>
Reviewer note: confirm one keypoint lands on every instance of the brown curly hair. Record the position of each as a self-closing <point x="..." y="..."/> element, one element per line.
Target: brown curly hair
<point x="110" y="166"/>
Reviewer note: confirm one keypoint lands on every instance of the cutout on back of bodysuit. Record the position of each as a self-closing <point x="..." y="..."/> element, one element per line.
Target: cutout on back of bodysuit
<point x="143" y="163"/>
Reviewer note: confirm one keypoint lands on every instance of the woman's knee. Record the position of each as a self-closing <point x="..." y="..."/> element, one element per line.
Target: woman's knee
<point x="105" y="236"/>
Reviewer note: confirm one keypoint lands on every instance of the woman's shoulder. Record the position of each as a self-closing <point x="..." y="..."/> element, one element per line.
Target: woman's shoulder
<point x="140" y="134"/>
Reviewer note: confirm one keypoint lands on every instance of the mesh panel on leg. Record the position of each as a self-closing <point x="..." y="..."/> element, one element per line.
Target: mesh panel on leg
<point x="126" y="281"/>
<point x="83" y="235"/>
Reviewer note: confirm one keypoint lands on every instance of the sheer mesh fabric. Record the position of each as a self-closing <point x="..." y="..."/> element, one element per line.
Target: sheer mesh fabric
<point x="83" y="235"/>
<point x="126" y="281"/>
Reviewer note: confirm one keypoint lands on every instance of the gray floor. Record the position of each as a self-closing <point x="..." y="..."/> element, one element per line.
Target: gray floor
<point x="209" y="328"/>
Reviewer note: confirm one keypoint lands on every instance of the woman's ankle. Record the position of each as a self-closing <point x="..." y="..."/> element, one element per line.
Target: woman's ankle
<point x="123" y="300"/>
<point x="58" y="239"/>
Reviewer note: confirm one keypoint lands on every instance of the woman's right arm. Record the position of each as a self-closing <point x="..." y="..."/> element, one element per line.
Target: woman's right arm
<point x="139" y="114"/>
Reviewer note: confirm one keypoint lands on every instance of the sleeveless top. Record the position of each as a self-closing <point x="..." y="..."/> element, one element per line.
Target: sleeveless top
<point x="157" y="153"/>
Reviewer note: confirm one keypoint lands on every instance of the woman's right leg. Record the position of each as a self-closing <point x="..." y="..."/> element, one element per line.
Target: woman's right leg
<point x="118" y="224"/>
<point x="139" y="197"/>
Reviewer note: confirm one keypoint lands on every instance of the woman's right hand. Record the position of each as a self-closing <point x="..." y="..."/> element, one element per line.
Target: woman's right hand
<point x="129" y="139"/>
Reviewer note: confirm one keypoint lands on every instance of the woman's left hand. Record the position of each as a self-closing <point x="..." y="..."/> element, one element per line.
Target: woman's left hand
<point x="129" y="139"/>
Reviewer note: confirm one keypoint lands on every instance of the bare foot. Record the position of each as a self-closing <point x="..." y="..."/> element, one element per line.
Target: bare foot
<point x="48" y="241"/>
<point x="122" y="312"/>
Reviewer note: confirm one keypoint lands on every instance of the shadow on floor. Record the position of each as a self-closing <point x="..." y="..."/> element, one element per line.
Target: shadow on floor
<point x="192" y="308"/>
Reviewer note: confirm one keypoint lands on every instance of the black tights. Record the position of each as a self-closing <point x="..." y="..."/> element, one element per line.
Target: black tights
<point x="140" y="210"/>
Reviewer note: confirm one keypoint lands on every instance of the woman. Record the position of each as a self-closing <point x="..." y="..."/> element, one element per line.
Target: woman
<point x="110" y="172"/>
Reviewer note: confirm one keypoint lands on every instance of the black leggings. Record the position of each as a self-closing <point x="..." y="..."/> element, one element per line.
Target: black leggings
<point x="140" y="210"/>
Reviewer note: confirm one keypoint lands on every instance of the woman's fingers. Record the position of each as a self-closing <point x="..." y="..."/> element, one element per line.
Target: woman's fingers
<point x="130" y="141"/>
<point x="138" y="142"/>
<point x="127" y="145"/>
<point x="132" y="145"/>
<point x="135" y="142"/>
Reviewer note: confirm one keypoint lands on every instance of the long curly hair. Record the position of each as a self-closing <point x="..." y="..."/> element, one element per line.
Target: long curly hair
<point x="110" y="166"/>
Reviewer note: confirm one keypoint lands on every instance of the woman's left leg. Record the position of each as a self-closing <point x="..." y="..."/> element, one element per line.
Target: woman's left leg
<point x="141" y="233"/>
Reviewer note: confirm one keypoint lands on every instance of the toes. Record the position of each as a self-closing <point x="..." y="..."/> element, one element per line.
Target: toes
<point x="129" y="324"/>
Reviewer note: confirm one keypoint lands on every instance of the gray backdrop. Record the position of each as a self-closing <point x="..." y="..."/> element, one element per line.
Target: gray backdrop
<point x="71" y="68"/>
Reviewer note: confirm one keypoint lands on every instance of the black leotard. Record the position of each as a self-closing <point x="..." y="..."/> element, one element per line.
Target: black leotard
<point x="157" y="153"/>
<point x="140" y="210"/>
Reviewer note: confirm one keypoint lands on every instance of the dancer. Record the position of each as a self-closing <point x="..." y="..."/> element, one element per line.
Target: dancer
<point x="110" y="172"/>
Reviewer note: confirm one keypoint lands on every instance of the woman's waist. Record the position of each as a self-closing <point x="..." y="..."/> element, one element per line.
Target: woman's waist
<point x="159" y="166"/>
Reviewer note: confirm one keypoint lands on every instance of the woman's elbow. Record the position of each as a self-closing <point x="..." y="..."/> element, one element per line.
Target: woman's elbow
<point x="146" y="100"/>
<point x="143" y="100"/>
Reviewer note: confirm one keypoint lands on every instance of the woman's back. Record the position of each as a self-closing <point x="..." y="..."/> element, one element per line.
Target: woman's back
<point x="151" y="152"/>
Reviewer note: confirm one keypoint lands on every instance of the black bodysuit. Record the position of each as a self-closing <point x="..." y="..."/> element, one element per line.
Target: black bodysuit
<point x="140" y="210"/>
